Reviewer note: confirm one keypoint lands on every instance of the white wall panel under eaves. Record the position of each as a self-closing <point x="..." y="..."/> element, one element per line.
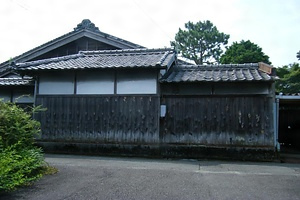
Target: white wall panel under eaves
<point x="101" y="82"/>
<point x="56" y="83"/>
<point x="137" y="82"/>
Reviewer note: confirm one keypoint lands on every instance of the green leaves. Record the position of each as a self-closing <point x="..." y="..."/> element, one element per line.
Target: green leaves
<point x="19" y="167"/>
<point x="244" y="52"/>
<point x="17" y="126"/>
<point x="200" y="42"/>
<point x="20" y="161"/>
<point x="289" y="79"/>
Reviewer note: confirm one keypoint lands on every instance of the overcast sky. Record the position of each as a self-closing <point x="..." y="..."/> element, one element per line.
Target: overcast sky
<point x="274" y="25"/>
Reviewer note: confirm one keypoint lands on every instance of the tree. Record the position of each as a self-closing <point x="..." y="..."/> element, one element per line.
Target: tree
<point x="244" y="52"/>
<point x="200" y="42"/>
<point x="289" y="79"/>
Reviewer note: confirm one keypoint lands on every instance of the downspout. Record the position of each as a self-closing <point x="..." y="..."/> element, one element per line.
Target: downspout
<point x="35" y="91"/>
<point x="276" y="124"/>
<point x="36" y="82"/>
<point x="34" y="95"/>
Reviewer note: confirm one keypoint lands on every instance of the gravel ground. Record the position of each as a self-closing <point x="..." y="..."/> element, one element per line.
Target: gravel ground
<point x="85" y="177"/>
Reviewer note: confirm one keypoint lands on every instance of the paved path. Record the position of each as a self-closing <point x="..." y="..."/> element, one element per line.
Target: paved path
<point x="84" y="177"/>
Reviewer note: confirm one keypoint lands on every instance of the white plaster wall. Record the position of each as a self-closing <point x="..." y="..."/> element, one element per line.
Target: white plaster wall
<point x="95" y="82"/>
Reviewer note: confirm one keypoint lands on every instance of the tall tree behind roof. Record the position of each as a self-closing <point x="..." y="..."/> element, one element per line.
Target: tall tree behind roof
<point x="244" y="52"/>
<point x="289" y="81"/>
<point x="200" y="42"/>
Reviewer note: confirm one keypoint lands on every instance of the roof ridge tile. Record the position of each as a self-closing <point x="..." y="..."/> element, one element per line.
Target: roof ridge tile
<point x="139" y="50"/>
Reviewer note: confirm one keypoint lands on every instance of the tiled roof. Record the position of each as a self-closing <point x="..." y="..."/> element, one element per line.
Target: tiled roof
<point x="129" y="58"/>
<point x="217" y="73"/>
<point x="86" y="27"/>
<point x="15" y="81"/>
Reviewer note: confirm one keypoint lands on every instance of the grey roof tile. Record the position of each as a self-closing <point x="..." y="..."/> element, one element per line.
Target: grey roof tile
<point x="15" y="81"/>
<point x="129" y="58"/>
<point x="217" y="73"/>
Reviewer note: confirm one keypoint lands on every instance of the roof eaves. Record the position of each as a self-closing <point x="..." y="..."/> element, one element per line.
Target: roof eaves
<point x="215" y="73"/>
<point x="32" y="64"/>
<point x="86" y="58"/>
<point x="16" y="82"/>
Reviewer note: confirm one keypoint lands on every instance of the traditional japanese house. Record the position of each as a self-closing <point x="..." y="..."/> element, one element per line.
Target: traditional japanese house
<point x="105" y="95"/>
<point x="141" y="99"/>
<point x="109" y="97"/>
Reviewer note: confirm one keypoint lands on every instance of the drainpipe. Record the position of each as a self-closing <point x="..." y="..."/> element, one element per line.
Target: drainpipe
<point x="276" y="124"/>
<point x="35" y="91"/>
<point x="36" y="82"/>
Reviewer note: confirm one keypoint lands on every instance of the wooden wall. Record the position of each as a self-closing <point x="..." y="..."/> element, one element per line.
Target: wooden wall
<point x="99" y="119"/>
<point x="218" y="120"/>
<point x="205" y="120"/>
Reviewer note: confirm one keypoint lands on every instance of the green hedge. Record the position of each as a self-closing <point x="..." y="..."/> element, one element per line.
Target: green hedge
<point x="20" y="160"/>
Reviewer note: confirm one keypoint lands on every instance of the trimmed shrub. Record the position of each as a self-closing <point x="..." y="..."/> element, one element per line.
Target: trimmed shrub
<point x="17" y="126"/>
<point x="19" y="167"/>
<point x="20" y="160"/>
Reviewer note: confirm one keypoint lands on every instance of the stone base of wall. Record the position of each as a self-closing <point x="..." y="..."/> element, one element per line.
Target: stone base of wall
<point x="163" y="151"/>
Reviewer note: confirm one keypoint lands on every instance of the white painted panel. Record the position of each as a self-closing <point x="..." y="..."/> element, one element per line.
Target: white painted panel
<point x="5" y="95"/>
<point x="137" y="82"/>
<point x="163" y="110"/>
<point x="95" y="82"/>
<point x="57" y="83"/>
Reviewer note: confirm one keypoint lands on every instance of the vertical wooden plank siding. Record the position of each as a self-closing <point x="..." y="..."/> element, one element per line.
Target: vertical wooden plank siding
<point x="120" y="119"/>
<point x="105" y="119"/>
<point x="218" y="120"/>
